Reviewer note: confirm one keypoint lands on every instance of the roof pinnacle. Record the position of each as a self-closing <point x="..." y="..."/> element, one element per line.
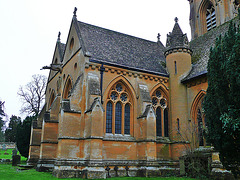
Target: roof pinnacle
<point x="176" y="19"/>
<point x="158" y="37"/>
<point x="74" y="12"/>
<point x="59" y="34"/>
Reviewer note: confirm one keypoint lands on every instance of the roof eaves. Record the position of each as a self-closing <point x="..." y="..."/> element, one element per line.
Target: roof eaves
<point x="198" y="75"/>
<point x="127" y="67"/>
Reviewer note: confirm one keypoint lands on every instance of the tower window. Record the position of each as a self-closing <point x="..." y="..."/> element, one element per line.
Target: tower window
<point x="211" y="17"/>
<point x="175" y="64"/>
<point x="178" y="125"/>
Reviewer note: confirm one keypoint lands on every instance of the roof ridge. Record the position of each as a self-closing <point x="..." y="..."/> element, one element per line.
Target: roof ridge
<point x="119" y="32"/>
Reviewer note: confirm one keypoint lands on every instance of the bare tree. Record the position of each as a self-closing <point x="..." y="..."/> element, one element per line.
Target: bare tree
<point x="32" y="95"/>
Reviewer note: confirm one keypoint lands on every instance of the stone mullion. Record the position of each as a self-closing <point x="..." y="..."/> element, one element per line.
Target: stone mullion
<point x="113" y="118"/>
<point x="123" y="118"/>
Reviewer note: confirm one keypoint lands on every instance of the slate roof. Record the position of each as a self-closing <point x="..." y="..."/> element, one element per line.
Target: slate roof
<point x="201" y="51"/>
<point x="111" y="47"/>
<point x="61" y="50"/>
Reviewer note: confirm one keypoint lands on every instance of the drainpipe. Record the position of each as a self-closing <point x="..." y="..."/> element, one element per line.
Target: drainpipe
<point x="102" y="69"/>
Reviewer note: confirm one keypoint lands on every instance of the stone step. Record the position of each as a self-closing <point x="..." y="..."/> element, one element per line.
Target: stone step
<point x="25" y="167"/>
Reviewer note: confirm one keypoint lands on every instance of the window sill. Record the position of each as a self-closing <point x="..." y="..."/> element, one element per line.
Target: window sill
<point x="118" y="137"/>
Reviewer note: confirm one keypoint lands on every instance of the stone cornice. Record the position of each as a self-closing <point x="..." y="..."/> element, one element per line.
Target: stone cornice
<point x="127" y="72"/>
<point x="178" y="49"/>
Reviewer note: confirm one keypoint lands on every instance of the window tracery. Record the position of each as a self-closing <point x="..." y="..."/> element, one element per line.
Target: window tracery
<point x="159" y="102"/>
<point x="118" y="110"/>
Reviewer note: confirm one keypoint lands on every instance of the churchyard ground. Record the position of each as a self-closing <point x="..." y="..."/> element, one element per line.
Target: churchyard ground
<point x="9" y="172"/>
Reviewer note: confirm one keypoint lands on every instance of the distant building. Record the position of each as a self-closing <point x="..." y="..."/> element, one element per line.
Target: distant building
<point x="114" y="100"/>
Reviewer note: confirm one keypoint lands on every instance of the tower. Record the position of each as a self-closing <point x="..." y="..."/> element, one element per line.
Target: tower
<point x="178" y="61"/>
<point x="208" y="14"/>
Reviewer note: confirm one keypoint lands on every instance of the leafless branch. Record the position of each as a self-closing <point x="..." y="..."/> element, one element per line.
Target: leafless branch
<point x="32" y="95"/>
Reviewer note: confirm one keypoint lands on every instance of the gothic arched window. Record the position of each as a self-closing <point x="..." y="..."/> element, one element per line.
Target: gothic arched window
<point x="159" y="102"/>
<point x="67" y="88"/>
<point x="118" y="110"/>
<point x="211" y="17"/>
<point x="198" y="117"/>
<point x="51" y="99"/>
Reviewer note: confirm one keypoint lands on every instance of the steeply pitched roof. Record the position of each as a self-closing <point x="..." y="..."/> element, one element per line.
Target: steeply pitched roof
<point x="201" y="51"/>
<point x="110" y="47"/>
<point x="61" y="47"/>
<point x="176" y="38"/>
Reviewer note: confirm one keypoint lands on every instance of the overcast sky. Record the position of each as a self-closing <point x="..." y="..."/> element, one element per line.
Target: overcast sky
<point x="29" y="30"/>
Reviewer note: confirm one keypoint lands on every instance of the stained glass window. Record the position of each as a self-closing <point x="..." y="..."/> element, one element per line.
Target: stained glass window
<point x="127" y="119"/>
<point x="109" y="118"/>
<point x="118" y="118"/>
<point x="119" y="87"/>
<point x="118" y="110"/>
<point x="114" y="96"/>
<point x="163" y="103"/>
<point x="123" y="97"/>
<point x="158" y="94"/>
<point x="154" y="101"/>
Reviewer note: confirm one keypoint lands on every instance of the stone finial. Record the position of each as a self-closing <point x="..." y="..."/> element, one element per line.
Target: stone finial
<point x="74" y="12"/>
<point x="176" y="19"/>
<point x="59" y="34"/>
<point x="158" y="37"/>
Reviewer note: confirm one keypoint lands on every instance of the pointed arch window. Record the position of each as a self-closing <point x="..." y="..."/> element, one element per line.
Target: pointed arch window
<point x="51" y="99"/>
<point x="67" y="89"/>
<point x="211" y="17"/>
<point x="198" y="119"/>
<point x="160" y="104"/>
<point x="118" y="110"/>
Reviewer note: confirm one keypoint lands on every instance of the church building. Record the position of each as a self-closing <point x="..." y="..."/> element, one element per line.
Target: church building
<point x="118" y="105"/>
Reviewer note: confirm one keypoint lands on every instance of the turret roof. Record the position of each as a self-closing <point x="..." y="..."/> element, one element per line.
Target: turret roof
<point x="176" y="38"/>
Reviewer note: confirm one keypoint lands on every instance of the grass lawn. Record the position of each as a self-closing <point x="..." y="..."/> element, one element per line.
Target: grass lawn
<point x="8" y="172"/>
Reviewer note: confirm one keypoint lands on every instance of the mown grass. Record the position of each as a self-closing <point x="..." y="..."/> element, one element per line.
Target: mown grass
<point x="8" y="172"/>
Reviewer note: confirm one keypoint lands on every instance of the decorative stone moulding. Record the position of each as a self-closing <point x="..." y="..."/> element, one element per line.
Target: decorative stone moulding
<point x="170" y="51"/>
<point x="194" y="83"/>
<point x="126" y="72"/>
